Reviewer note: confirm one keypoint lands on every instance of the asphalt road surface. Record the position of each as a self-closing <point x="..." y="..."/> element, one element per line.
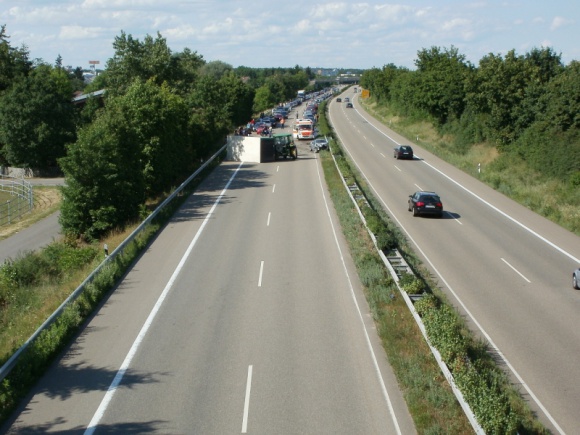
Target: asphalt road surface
<point x="244" y="315"/>
<point x="507" y="269"/>
<point x="35" y="236"/>
<point x="31" y="238"/>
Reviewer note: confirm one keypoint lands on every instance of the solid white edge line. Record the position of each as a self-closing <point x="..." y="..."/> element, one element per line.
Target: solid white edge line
<point x="471" y="316"/>
<point x="493" y="207"/>
<point x="247" y="400"/>
<point x="353" y="295"/>
<point x="515" y="270"/>
<point x="127" y="362"/>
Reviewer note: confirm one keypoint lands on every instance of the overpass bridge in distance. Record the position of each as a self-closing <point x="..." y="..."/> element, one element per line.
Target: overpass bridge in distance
<point x="338" y="80"/>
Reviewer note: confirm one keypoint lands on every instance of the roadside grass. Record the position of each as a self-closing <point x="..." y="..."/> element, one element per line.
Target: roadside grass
<point x="430" y="400"/>
<point x="553" y="199"/>
<point x="28" y="307"/>
<point x="36" y="283"/>
<point x="46" y="202"/>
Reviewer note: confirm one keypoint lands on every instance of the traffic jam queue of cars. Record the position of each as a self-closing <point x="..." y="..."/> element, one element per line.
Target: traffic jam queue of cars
<point x="303" y="126"/>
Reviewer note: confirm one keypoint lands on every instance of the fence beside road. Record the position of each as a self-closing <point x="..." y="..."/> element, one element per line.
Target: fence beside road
<point x="22" y="199"/>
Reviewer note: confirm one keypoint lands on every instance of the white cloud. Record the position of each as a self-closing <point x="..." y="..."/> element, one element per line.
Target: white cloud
<point x="558" y="22"/>
<point x="455" y="23"/>
<point x="262" y="33"/>
<point x="79" y="32"/>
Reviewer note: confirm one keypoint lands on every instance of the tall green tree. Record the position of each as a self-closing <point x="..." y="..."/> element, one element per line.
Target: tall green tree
<point x="37" y="118"/>
<point x="159" y="120"/>
<point x="441" y="75"/>
<point x="264" y="99"/>
<point x="216" y="69"/>
<point x="562" y="100"/>
<point x="239" y="100"/>
<point x="380" y="81"/>
<point x="213" y="112"/>
<point x="134" y="59"/>
<point x="496" y="90"/>
<point x="105" y="184"/>
<point x="14" y="62"/>
<point x="185" y="70"/>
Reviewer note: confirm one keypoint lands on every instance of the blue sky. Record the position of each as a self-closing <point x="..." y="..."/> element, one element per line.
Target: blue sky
<point x="306" y="33"/>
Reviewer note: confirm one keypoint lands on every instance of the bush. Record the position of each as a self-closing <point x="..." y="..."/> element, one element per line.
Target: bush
<point x="414" y="287"/>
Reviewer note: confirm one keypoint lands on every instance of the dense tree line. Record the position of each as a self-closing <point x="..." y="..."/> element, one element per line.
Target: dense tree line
<point x="275" y="85"/>
<point x="163" y="113"/>
<point x="527" y="105"/>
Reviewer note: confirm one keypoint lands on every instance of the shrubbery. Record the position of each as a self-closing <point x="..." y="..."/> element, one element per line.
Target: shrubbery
<point x="497" y="406"/>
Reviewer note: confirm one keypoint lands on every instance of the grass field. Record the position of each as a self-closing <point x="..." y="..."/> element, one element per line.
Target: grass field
<point x="46" y="201"/>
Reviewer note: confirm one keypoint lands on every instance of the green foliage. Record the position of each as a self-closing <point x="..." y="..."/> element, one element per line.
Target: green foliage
<point x="159" y="122"/>
<point x="414" y="286"/>
<point x="487" y="390"/>
<point x="263" y="100"/>
<point x="216" y="69"/>
<point x="136" y="60"/>
<point x="14" y="62"/>
<point x="33" y="268"/>
<point x="441" y="75"/>
<point x="52" y="340"/>
<point x="444" y="329"/>
<point x="105" y="179"/>
<point x="37" y="118"/>
<point x="553" y="153"/>
<point x="64" y="258"/>
<point x="487" y="393"/>
<point x="385" y="238"/>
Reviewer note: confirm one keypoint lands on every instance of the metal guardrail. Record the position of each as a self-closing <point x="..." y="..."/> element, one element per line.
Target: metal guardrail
<point x="23" y="200"/>
<point x="352" y="192"/>
<point x="11" y="363"/>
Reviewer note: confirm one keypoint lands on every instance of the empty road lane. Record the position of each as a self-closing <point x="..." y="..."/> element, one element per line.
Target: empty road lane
<point x="243" y="316"/>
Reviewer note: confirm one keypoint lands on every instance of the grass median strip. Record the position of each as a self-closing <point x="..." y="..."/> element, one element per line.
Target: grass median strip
<point x="428" y="395"/>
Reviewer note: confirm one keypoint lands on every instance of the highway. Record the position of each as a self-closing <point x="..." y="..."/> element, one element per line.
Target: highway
<point x="244" y="315"/>
<point x="505" y="268"/>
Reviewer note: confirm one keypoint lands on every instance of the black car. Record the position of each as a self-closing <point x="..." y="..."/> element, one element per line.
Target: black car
<point x="339" y="100"/>
<point x="576" y="279"/>
<point x="425" y="203"/>
<point x="349" y="105"/>
<point x="403" y="152"/>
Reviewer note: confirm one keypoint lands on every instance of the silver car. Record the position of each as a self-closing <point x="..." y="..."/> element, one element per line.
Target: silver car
<point x="318" y="144"/>
<point x="576" y="279"/>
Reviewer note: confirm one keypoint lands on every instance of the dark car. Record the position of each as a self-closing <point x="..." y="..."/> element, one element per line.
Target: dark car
<point x="339" y="100"/>
<point x="576" y="279"/>
<point x="349" y="105"/>
<point x="421" y="203"/>
<point x="403" y="152"/>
